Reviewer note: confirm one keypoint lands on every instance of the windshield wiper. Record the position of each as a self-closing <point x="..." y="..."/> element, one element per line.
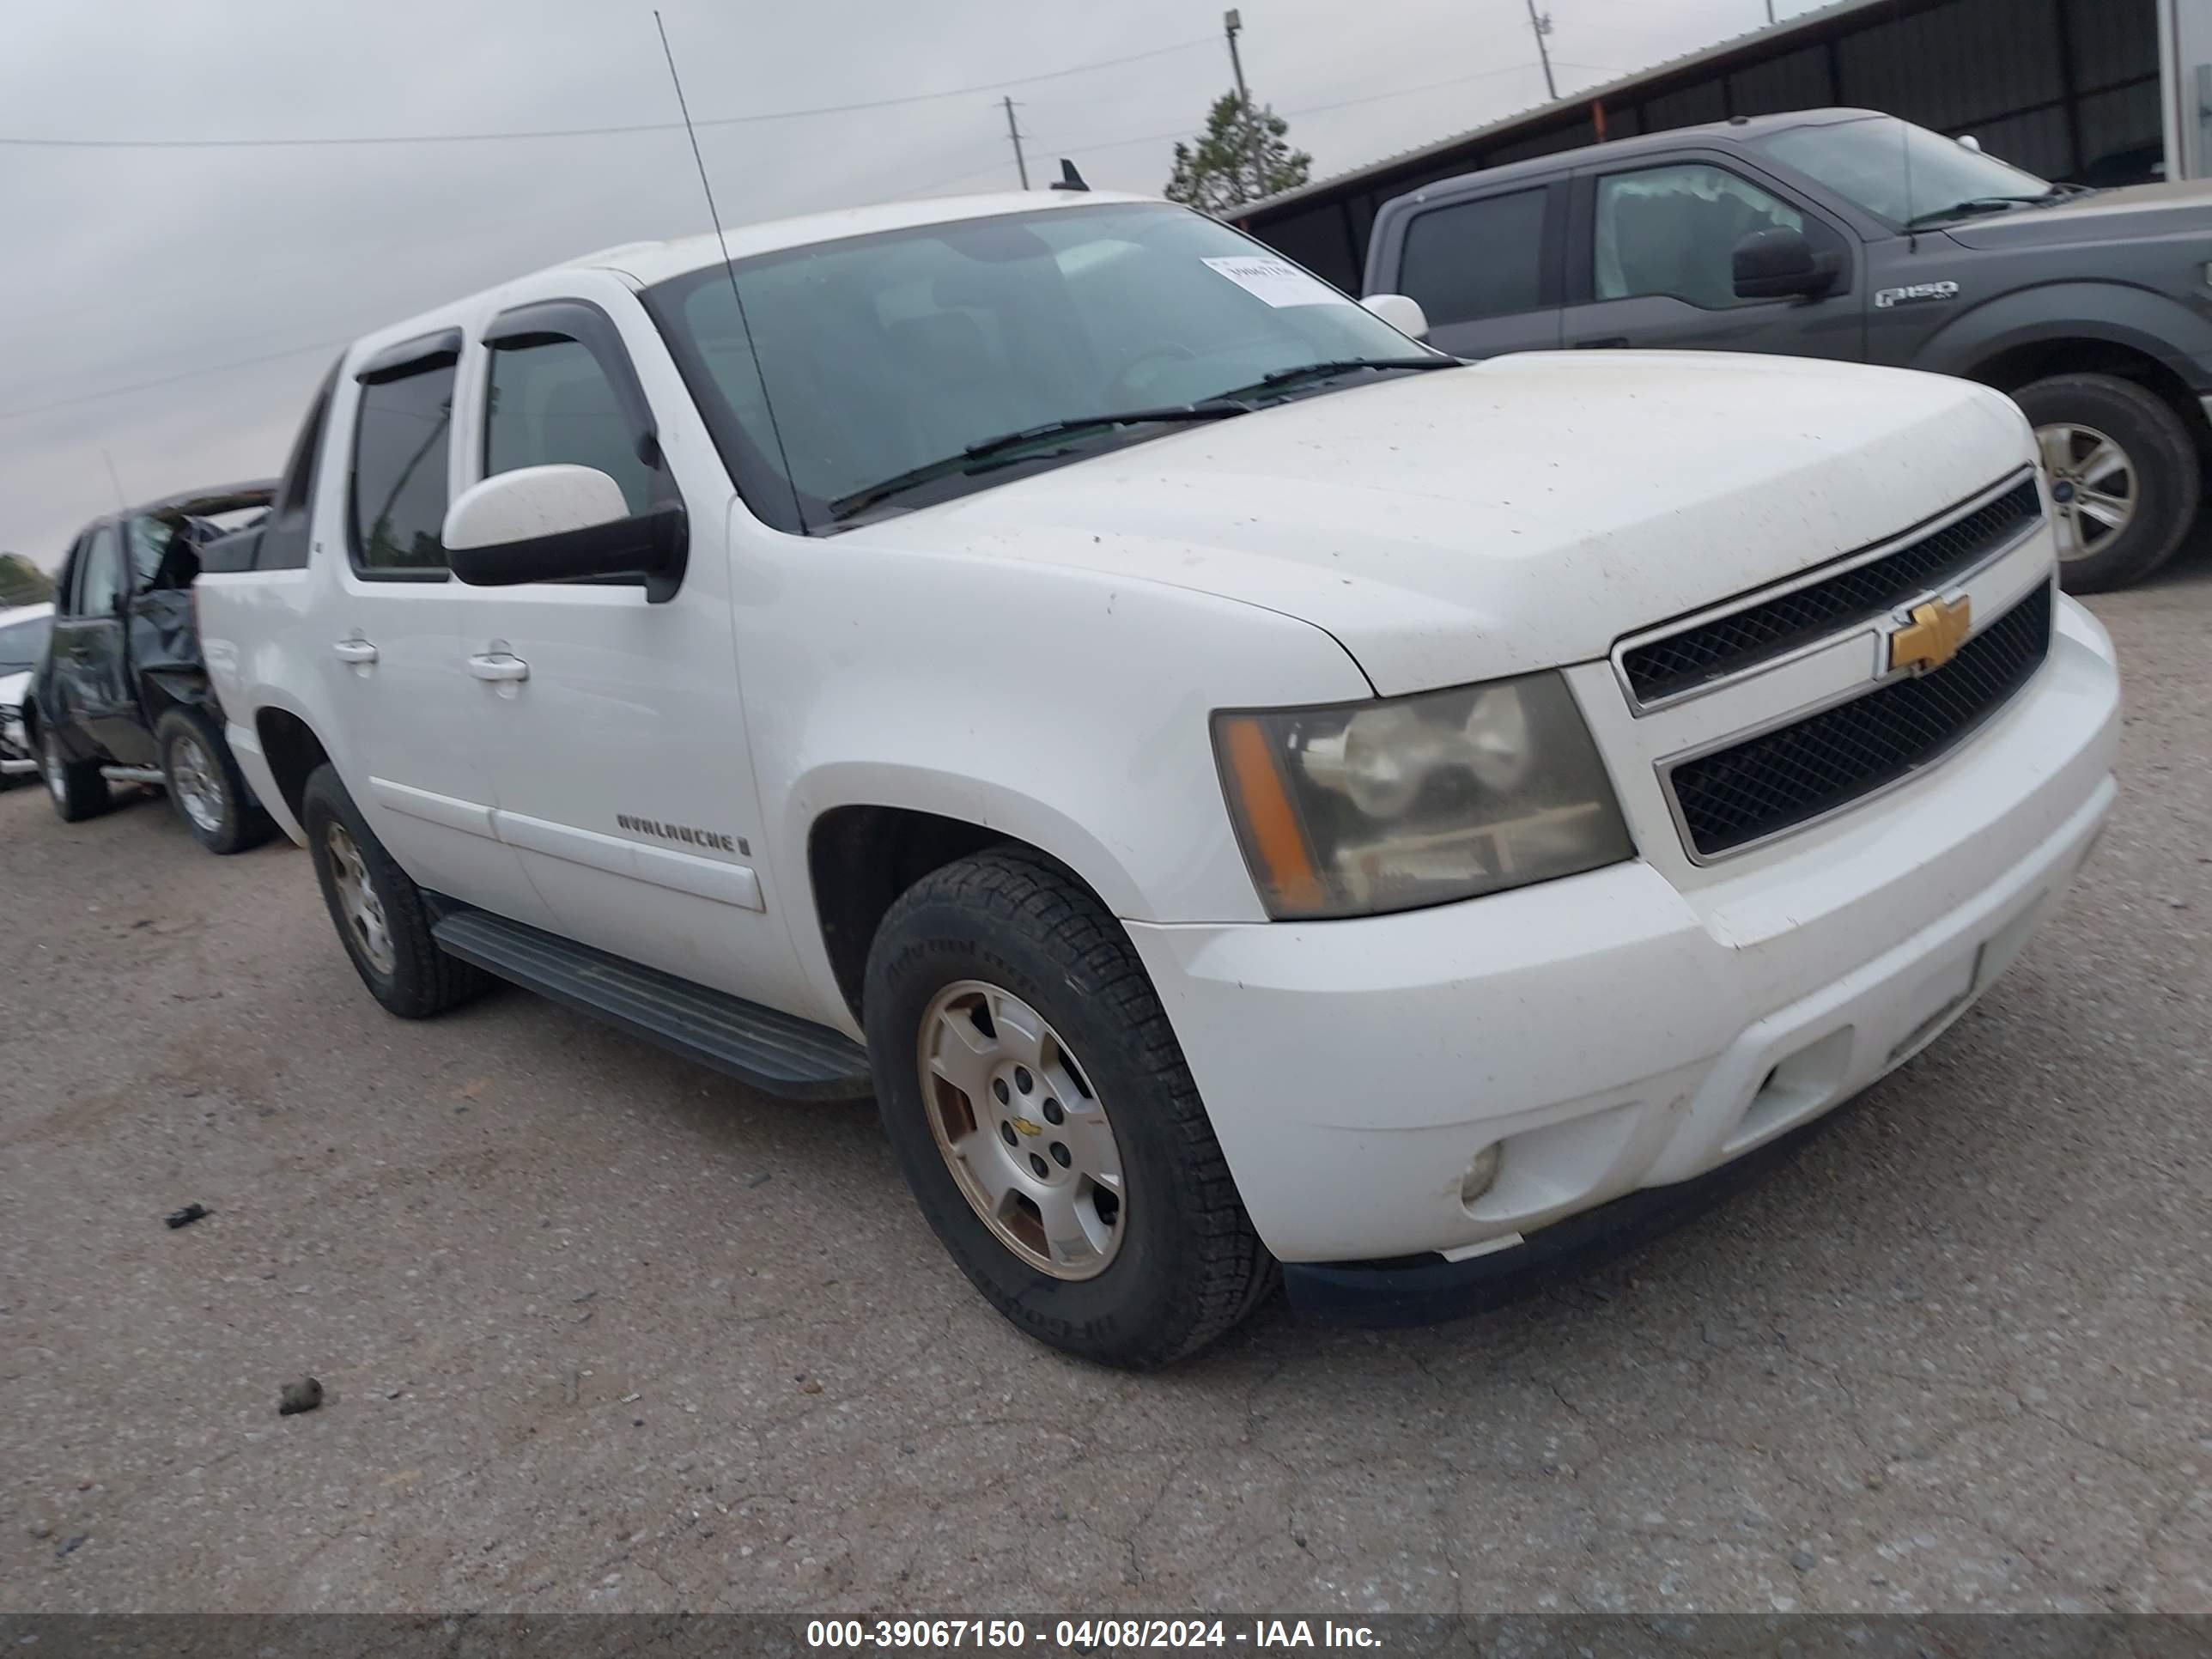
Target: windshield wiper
<point x="1284" y="377"/>
<point x="1981" y="205"/>
<point x="993" y="451"/>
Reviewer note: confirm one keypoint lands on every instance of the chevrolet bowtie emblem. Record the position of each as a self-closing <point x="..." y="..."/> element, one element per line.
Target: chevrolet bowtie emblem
<point x="1028" y="1128"/>
<point x="1934" y="635"/>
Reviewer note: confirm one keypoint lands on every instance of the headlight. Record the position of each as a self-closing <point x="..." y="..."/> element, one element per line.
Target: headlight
<point x="1364" y="807"/>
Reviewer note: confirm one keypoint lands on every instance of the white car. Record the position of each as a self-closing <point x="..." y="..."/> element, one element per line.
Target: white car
<point x="1242" y="791"/>
<point x="24" y="631"/>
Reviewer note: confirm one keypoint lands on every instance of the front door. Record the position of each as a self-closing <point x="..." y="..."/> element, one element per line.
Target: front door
<point x="92" y="676"/>
<point x="1651" y="263"/>
<point x="614" y="727"/>
<point x="408" y="715"/>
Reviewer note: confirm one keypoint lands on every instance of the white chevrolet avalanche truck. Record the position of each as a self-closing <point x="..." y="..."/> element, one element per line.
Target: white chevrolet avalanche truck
<point x="1248" y="795"/>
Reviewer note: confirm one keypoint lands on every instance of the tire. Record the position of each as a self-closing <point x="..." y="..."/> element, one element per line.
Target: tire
<point x="76" y="787"/>
<point x="410" y="975"/>
<point x="208" y="792"/>
<point x="2163" y="477"/>
<point x="1184" y="1264"/>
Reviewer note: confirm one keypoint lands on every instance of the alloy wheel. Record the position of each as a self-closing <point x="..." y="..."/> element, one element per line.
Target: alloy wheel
<point x="2092" y="485"/>
<point x="1027" y="1139"/>
<point x="196" y="783"/>
<point x="359" y="910"/>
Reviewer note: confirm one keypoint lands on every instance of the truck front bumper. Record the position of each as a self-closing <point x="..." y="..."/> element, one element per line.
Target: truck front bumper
<point x="1610" y="1033"/>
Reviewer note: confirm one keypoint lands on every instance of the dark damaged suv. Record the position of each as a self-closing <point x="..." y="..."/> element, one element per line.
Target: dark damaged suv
<point x="121" y="694"/>
<point x="1846" y="234"/>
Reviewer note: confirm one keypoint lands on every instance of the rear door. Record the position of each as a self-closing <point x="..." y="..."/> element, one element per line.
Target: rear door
<point x="1485" y="265"/>
<point x="616" y="734"/>
<point x="1650" y="261"/>
<point x="91" y="673"/>
<point x="410" y="722"/>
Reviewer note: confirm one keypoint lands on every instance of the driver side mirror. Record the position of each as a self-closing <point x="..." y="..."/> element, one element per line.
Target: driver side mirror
<point x="544" y="523"/>
<point x="1780" y="264"/>
<point x="1403" y="312"/>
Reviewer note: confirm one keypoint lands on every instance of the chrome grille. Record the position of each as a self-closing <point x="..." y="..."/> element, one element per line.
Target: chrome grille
<point x="1783" y="778"/>
<point x="1680" y="662"/>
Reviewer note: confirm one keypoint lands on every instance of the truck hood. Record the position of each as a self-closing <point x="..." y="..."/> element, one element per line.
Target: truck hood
<point x="1520" y="514"/>
<point x="2179" y="207"/>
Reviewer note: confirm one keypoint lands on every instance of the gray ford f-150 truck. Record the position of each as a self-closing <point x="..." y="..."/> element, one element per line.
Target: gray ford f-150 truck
<point x="1846" y="234"/>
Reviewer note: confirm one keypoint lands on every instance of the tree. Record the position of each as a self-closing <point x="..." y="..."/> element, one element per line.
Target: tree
<point x="1244" y="155"/>
<point x="22" y="582"/>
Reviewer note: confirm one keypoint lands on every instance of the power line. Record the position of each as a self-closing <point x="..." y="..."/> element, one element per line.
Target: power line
<point x="977" y="171"/>
<point x="593" y="132"/>
<point x="1308" y="109"/>
<point x="169" y="379"/>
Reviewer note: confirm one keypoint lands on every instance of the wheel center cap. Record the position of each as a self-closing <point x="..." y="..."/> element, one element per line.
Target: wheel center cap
<point x="1022" y="1125"/>
<point x="2063" y="491"/>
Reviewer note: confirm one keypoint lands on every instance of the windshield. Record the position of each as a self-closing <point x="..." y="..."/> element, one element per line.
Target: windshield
<point x="1901" y="172"/>
<point x="22" y="643"/>
<point x="887" y="353"/>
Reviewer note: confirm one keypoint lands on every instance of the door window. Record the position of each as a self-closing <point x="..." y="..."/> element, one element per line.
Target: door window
<point x="101" y="586"/>
<point x="1476" y="259"/>
<point x="152" y="543"/>
<point x="552" y="402"/>
<point x="396" y="497"/>
<point x="1672" y="230"/>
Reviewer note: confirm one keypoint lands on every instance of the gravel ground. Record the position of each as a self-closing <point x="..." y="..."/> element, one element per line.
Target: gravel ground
<point x="598" y="1331"/>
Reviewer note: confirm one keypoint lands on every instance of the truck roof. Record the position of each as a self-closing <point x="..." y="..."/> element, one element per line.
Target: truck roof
<point x="648" y="263"/>
<point x="1736" y="131"/>
<point x="207" y="501"/>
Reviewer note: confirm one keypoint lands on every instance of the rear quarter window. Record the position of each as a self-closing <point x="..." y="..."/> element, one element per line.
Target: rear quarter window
<point x="396" y="494"/>
<point x="1468" y="260"/>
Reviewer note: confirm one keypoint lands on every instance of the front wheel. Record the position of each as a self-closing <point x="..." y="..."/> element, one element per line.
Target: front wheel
<point x="205" y="786"/>
<point x="1041" y="1111"/>
<point x="2125" y="476"/>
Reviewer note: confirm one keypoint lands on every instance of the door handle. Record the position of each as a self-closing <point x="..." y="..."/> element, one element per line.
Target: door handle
<point x="357" y="650"/>
<point x="1613" y="342"/>
<point x="498" y="665"/>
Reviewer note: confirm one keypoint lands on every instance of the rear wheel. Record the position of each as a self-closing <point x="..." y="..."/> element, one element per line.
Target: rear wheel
<point x="205" y="786"/>
<point x="2125" y="476"/>
<point x="1040" y="1109"/>
<point x="378" y="910"/>
<point x="76" y="788"/>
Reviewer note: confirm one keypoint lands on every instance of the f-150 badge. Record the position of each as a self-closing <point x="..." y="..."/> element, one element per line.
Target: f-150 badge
<point x="1885" y="298"/>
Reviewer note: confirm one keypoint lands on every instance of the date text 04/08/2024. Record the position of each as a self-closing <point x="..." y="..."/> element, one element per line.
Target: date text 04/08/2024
<point x="1088" y="1635"/>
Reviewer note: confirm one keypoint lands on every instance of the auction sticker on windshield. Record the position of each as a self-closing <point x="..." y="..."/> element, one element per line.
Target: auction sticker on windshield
<point x="1278" y="281"/>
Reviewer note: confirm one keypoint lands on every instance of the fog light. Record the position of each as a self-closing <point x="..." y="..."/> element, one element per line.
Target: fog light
<point x="1481" y="1175"/>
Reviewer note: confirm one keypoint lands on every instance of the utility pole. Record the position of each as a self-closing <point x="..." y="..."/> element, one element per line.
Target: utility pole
<point x="1232" y="21"/>
<point x="1542" y="22"/>
<point x="113" y="479"/>
<point x="1015" y="133"/>
<point x="1769" y="13"/>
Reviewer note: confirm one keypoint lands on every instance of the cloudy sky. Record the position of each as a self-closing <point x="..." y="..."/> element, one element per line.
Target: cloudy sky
<point x="169" y="308"/>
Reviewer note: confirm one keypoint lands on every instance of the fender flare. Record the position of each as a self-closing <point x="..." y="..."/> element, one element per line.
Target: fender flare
<point x="2109" y="313"/>
<point x="925" y="789"/>
<point x="173" y="686"/>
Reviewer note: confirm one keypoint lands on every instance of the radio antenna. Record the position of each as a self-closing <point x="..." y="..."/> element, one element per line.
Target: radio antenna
<point x="767" y="402"/>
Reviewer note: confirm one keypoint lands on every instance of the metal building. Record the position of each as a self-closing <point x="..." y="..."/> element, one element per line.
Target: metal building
<point x="2104" y="91"/>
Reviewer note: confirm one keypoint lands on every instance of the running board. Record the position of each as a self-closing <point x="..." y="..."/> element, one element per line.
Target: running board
<point x="776" y="1052"/>
<point x="133" y="775"/>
